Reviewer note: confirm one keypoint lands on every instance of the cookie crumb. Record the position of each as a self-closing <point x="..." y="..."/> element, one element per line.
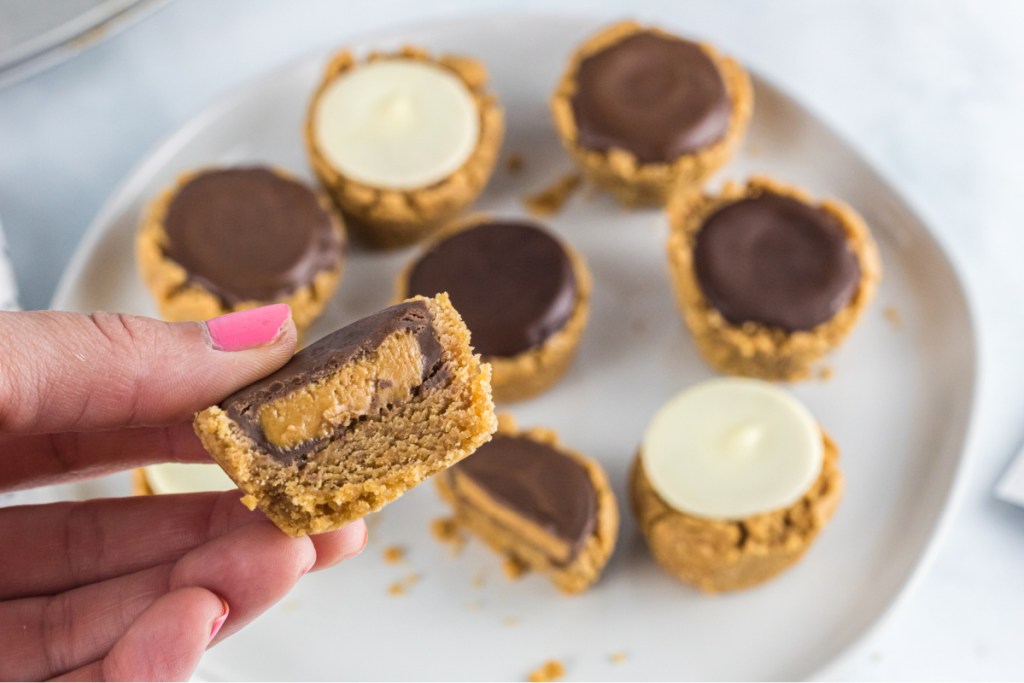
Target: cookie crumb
<point x="480" y="579"/>
<point x="475" y="605"/>
<point x="618" y="657"/>
<point x="514" y="567"/>
<point x="292" y="605"/>
<point x="893" y="316"/>
<point x="510" y="621"/>
<point x="552" y="670"/>
<point x="550" y="200"/>
<point x="394" y="554"/>
<point x="446" y="530"/>
<point x="402" y="587"/>
<point x="514" y="164"/>
<point x="825" y="373"/>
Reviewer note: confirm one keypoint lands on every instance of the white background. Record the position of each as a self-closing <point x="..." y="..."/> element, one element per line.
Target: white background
<point x="932" y="93"/>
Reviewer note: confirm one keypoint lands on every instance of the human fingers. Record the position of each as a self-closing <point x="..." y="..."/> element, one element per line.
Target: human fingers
<point x="73" y="372"/>
<point x="30" y="460"/>
<point x="251" y="568"/>
<point x="165" y="643"/>
<point x="65" y="545"/>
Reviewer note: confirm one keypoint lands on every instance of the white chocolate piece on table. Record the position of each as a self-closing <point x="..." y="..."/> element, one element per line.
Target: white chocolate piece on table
<point x="731" y="448"/>
<point x="397" y="124"/>
<point x="176" y="477"/>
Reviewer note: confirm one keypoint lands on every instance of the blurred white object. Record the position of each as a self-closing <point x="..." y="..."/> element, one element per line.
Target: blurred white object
<point x="8" y="287"/>
<point x="37" y="34"/>
<point x="1011" y="486"/>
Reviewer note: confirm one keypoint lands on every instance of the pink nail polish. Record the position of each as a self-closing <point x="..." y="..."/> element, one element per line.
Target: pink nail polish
<point x="219" y="621"/>
<point x="248" y="329"/>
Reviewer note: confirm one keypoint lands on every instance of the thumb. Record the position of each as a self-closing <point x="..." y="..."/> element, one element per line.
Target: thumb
<point x="67" y="371"/>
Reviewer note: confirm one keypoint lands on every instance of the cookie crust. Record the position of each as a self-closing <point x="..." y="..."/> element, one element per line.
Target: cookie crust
<point x="589" y="562"/>
<point x="534" y="371"/>
<point x="378" y="457"/>
<point x="387" y="218"/>
<point x="752" y="349"/>
<point x="724" y="555"/>
<point x="649" y="184"/>
<point x="179" y="299"/>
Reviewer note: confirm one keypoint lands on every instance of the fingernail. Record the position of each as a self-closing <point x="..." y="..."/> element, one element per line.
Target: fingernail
<point x="219" y="621"/>
<point x="362" y="546"/>
<point x="248" y="329"/>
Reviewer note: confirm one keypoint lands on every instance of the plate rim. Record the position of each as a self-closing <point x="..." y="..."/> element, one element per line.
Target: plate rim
<point x="62" y="42"/>
<point x="157" y="154"/>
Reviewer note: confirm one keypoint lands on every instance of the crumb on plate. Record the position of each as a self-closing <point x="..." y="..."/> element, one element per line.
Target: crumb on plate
<point x="550" y="200"/>
<point x="551" y="670"/>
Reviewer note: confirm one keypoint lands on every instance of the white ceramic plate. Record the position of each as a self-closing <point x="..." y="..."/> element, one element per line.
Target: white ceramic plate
<point x="899" y="405"/>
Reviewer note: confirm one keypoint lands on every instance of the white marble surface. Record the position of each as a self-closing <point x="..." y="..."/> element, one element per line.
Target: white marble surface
<point x="931" y="92"/>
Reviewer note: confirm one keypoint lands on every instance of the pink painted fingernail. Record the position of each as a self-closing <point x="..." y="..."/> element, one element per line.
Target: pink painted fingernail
<point x="219" y="621"/>
<point x="248" y="329"/>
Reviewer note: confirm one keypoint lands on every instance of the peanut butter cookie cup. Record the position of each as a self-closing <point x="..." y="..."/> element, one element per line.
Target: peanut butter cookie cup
<point x="767" y="280"/>
<point x="356" y="419"/>
<point x="226" y="239"/>
<point x="733" y="482"/>
<point x="403" y="141"/>
<point x="644" y="112"/>
<point x="542" y="505"/>
<point x="524" y="294"/>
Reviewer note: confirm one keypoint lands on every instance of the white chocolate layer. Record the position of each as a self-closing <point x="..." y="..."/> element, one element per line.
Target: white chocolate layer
<point x="396" y="123"/>
<point x="187" y="478"/>
<point x="731" y="448"/>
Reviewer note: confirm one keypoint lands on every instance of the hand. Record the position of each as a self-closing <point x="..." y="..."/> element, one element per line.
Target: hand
<point x="132" y="588"/>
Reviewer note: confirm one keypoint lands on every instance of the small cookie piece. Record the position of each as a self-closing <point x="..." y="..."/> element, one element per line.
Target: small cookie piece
<point x="733" y="482"/>
<point x="403" y="141"/>
<point x="767" y="280"/>
<point x="524" y="294"/>
<point x="179" y="477"/>
<point x="644" y="112"/>
<point x="542" y="505"/>
<point x="226" y="239"/>
<point x="356" y="419"/>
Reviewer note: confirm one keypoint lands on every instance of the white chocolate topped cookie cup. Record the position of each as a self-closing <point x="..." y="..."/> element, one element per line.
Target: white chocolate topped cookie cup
<point x="731" y="448"/>
<point x="176" y="477"/>
<point x="396" y="123"/>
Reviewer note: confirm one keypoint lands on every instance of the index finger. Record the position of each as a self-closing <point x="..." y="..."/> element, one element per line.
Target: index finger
<point x="72" y="372"/>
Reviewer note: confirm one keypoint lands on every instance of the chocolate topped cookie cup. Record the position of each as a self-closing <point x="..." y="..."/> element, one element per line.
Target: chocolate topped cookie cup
<point x="769" y="281"/>
<point x="644" y="112"/>
<point x="542" y="505"/>
<point x="355" y="419"/>
<point x="226" y="239"/>
<point x="402" y="141"/>
<point x="524" y="294"/>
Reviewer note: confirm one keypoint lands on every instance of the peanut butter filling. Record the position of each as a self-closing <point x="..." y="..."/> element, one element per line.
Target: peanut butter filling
<point x="470" y="494"/>
<point x="389" y="375"/>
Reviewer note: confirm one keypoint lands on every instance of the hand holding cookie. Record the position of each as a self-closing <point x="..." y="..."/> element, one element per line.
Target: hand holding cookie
<point x="133" y="588"/>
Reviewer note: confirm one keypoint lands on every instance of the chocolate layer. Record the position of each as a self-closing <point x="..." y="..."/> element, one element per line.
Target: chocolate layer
<point x="248" y="234"/>
<point x="324" y="358"/>
<point x="538" y="482"/>
<point x="776" y="261"/>
<point x="656" y="97"/>
<point x="513" y="283"/>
